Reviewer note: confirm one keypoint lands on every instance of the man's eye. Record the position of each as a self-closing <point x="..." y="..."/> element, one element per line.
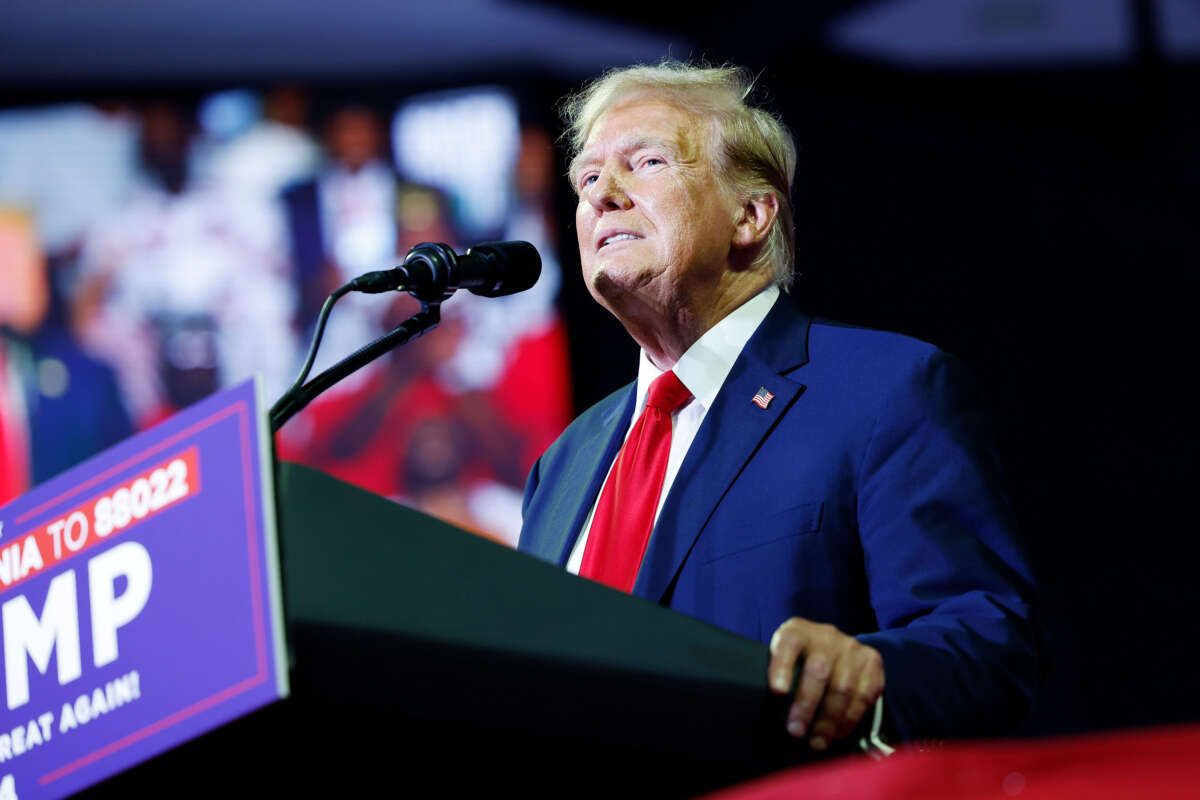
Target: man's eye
<point x="652" y="161"/>
<point x="588" y="180"/>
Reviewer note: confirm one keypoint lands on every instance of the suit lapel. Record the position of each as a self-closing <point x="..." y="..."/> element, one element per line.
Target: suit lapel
<point x="581" y="480"/>
<point x="732" y="431"/>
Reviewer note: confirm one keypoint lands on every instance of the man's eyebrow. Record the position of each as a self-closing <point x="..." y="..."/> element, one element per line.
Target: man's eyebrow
<point x="577" y="164"/>
<point x="644" y="142"/>
<point x="628" y="146"/>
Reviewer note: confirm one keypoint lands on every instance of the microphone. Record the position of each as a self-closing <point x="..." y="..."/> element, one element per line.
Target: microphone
<point x="432" y="272"/>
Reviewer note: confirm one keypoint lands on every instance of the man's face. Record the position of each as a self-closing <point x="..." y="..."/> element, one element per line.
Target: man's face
<point x="354" y="137"/>
<point x="654" y="223"/>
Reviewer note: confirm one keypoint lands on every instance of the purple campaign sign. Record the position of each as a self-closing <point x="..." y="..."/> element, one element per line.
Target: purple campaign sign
<point x="140" y="598"/>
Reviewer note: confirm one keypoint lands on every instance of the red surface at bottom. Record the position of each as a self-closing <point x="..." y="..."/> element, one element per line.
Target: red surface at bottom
<point x="1156" y="763"/>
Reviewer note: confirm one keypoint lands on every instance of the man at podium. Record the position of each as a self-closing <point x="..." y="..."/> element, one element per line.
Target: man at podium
<point x="826" y="489"/>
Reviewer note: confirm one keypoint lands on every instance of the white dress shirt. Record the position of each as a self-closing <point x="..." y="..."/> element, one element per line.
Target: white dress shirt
<point x="702" y="369"/>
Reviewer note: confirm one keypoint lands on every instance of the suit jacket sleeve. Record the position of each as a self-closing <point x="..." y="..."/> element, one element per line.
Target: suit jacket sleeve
<point x="950" y="588"/>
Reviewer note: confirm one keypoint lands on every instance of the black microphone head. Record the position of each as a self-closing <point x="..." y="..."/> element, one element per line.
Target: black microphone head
<point x="516" y="267"/>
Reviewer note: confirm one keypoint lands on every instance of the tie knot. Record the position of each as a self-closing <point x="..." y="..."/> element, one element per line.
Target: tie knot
<point x="667" y="393"/>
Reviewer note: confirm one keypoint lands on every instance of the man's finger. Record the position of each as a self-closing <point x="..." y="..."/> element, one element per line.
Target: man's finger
<point x="813" y="680"/>
<point x="839" y="695"/>
<point x="852" y="716"/>
<point x="787" y="644"/>
<point x="862" y="682"/>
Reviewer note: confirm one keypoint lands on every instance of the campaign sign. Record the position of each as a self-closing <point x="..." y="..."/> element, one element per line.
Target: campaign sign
<point x="140" y="599"/>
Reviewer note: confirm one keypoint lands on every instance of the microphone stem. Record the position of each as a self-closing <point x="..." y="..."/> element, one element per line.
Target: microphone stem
<point x="318" y="333"/>
<point x="296" y="398"/>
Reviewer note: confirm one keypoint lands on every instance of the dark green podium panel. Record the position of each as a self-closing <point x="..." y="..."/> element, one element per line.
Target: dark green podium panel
<point x="422" y="654"/>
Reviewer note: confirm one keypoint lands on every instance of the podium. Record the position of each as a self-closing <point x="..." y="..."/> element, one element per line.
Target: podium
<point x="421" y="654"/>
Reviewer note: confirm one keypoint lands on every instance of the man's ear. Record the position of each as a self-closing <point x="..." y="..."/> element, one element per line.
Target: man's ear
<point x="754" y="223"/>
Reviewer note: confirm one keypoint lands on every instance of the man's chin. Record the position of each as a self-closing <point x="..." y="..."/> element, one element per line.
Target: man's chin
<point x="612" y="283"/>
<point x="629" y="298"/>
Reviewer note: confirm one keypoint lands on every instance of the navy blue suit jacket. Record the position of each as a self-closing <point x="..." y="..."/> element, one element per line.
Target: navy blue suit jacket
<point x="866" y="495"/>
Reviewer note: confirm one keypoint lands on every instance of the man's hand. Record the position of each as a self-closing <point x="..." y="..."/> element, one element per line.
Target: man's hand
<point x="841" y="679"/>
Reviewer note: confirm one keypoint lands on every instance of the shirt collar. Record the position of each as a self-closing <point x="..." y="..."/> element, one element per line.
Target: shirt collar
<point x="703" y="366"/>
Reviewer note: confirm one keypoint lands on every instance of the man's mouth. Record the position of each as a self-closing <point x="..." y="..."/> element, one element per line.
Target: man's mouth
<point x="617" y="237"/>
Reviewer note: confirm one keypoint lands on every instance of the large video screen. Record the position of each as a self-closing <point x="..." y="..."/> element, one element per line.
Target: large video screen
<point x="154" y="251"/>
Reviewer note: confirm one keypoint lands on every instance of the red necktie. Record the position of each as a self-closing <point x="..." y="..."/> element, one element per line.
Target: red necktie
<point x="625" y="514"/>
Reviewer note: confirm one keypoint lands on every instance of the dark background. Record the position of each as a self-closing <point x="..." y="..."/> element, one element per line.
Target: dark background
<point x="1037" y="217"/>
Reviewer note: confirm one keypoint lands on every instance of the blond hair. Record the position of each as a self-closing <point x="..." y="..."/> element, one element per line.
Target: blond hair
<point x="754" y="151"/>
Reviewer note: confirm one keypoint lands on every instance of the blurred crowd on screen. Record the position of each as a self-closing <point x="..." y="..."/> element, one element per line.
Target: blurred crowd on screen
<point x="153" y="253"/>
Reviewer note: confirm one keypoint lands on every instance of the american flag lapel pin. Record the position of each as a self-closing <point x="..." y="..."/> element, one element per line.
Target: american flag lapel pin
<point x="762" y="398"/>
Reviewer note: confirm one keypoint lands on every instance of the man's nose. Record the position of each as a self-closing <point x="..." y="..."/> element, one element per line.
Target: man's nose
<point x="608" y="192"/>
